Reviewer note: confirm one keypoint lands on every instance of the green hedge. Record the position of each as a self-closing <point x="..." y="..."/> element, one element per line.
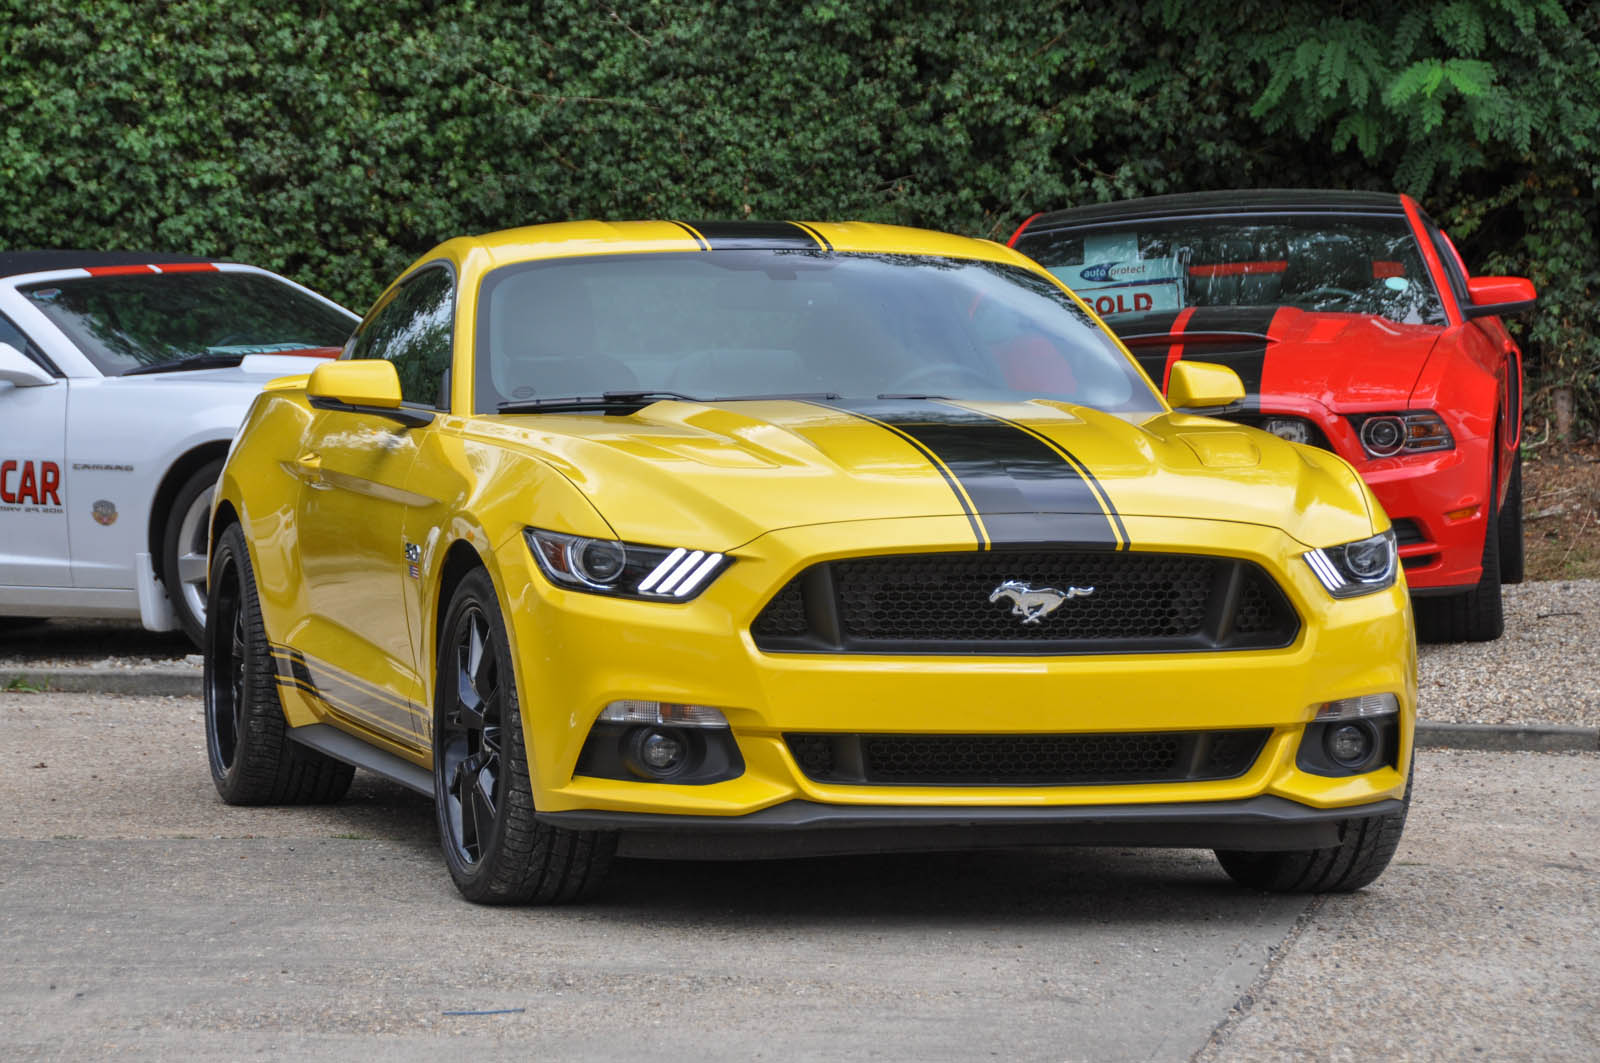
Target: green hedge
<point x="336" y="140"/>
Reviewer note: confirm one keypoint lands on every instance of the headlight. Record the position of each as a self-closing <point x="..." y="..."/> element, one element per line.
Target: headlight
<point x="625" y="570"/>
<point x="1357" y="568"/>
<point x="1383" y="435"/>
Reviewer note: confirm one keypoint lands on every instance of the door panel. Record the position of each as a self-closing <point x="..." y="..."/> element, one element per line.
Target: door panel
<point x="34" y="488"/>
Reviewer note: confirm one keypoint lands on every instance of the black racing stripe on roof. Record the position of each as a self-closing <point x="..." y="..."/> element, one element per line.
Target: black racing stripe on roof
<point x="758" y="235"/>
<point x="16" y="263"/>
<point x="699" y="241"/>
<point x="1023" y="489"/>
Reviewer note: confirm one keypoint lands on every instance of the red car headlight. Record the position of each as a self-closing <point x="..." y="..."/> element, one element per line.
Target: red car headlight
<point x="1383" y="435"/>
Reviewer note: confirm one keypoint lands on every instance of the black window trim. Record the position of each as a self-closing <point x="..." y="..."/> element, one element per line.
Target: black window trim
<point x="32" y="351"/>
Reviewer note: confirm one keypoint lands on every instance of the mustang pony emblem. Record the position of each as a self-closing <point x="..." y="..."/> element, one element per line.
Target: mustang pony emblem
<point x="1035" y="603"/>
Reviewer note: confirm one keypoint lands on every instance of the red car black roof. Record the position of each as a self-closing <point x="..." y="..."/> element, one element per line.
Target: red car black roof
<point x="1240" y="201"/>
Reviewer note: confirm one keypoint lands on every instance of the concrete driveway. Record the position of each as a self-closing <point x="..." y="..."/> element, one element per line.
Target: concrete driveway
<point x="140" y="918"/>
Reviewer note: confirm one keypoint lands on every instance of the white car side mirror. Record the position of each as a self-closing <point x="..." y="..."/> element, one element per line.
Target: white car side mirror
<point x="20" y="370"/>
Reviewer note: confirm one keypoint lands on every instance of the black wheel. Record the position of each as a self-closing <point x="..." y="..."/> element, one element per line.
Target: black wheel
<point x="253" y="762"/>
<point x="1511" y="545"/>
<point x="1366" y="845"/>
<point x="183" y="549"/>
<point x="497" y="851"/>
<point x="1476" y="616"/>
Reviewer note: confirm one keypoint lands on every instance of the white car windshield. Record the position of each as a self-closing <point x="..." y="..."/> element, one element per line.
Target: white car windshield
<point x="748" y="323"/>
<point x="144" y="322"/>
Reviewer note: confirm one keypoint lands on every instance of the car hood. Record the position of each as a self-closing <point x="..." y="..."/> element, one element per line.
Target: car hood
<point x="1343" y="361"/>
<point x="717" y="475"/>
<point x="254" y="369"/>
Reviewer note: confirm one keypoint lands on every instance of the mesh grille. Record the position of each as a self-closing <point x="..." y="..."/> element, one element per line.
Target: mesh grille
<point x="943" y="603"/>
<point x="1407" y="532"/>
<point x="1027" y="760"/>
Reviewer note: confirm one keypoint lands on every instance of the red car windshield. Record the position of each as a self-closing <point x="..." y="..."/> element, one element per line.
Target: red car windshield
<point x="1329" y="263"/>
<point x="139" y="321"/>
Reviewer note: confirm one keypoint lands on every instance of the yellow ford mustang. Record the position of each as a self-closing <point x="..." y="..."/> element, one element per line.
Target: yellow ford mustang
<point x="760" y="540"/>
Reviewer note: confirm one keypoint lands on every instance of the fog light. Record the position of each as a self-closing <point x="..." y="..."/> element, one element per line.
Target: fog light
<point x="1349" y="744"/>
<point x="657" y="754"/>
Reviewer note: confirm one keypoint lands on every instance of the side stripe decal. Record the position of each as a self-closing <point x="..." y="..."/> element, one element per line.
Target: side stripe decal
<point x="1015" y="485"/>
<point x="354" y="698"/>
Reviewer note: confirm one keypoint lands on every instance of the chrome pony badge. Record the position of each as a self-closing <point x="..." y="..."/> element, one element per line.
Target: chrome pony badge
<point x="1035" y="603"/>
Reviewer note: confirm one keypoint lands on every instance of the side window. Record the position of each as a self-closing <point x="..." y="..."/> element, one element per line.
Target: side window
<point x="414" y="330"/>
<point x="9" y="333"/>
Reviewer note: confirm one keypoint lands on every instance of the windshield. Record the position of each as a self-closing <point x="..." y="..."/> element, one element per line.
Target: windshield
<point x="134" y="321"/>
<point x="745" y="323"/>
<point x="1334" y="264"/>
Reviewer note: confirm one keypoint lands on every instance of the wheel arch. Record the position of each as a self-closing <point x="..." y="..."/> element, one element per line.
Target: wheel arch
<point x="172" y="482"/>
<point x="460" y="559"/>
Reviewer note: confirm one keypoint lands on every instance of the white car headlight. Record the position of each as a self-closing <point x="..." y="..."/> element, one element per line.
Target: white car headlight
<point x="625" y="570"/>
<point x="1361" y="567"/>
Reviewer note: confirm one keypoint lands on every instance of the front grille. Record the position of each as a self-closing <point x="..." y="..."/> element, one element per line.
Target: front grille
<point x="941" y="604"/>
<point x="1027" y="760"/>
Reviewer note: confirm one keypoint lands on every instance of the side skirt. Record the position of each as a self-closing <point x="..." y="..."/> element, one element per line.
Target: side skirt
<point x="325" y="738"/>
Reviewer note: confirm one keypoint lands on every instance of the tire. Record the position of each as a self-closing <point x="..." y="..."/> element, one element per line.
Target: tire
<point x="1366" y="845"/>
<point x="1512" y="558"/>
<point x="253" y="761"/>
<point x="1476" y="616"/>
<point x="497" y="851"/>
<point x="183" y="549"/>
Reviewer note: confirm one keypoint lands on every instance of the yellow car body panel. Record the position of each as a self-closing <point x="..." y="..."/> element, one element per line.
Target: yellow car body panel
<point x="353" y="543"/>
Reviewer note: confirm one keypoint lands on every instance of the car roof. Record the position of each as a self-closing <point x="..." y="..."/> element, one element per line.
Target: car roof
<point x="1239" y="201"/>
<point x="16" y="263"/>
<point x="576" y="238"/>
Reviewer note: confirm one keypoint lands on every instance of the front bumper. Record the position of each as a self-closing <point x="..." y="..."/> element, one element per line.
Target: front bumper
<point x="701" y="652"/>
<point x="805" y="828"/>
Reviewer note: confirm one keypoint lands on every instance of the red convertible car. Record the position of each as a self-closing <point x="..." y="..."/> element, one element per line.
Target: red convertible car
<point x="1356" y="327"/>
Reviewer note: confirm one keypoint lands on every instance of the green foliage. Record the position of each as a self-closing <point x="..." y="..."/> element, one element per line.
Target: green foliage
<point x="337" y="140"/>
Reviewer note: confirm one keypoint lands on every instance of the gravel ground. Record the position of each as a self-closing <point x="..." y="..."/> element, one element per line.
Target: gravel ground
<point x="1544" y="670"/>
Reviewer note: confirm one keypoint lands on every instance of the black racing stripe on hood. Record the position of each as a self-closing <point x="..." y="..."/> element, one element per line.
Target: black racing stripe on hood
<point x="1245" y="348"/>
<point x="756" y="235"/>
<point x="1023" y="489"/>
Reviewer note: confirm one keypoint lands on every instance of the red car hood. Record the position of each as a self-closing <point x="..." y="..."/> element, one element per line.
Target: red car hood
<point x="1285" y="355"/>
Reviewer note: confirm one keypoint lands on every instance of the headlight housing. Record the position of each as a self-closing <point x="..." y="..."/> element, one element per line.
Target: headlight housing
<point x="623" y="570"/>
<point x="1383" y="435"/>
<point x="1353" y="569"/>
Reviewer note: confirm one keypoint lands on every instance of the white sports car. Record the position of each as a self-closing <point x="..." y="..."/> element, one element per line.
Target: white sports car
<point x="123" y="377"/>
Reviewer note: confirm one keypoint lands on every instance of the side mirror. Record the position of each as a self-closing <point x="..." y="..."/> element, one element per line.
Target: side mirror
<point x="20" y="370"/>
<point x="1498" y="296"/>
<point x="367" y="385"/>
<point x="1195" y="385"/>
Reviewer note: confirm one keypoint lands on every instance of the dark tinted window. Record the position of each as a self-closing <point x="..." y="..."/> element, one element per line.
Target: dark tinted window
<point x="125" y="322"/>
<point x="413" y="330"/>
<point x="726" y="324"/>
<point x="1328" y="263"/>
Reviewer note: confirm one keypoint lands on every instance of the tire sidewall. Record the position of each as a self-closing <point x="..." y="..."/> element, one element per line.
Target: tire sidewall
<point x="476" y="590"/>
<point x="230" y="551"/>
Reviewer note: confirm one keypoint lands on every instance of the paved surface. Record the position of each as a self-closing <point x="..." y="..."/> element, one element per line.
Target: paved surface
<point x="142" y="919"/>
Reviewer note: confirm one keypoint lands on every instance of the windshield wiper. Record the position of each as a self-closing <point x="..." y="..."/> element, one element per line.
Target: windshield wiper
<point x="194" y="361"/>
<point x="916" y="396"/>
<point x="607" y="401"/>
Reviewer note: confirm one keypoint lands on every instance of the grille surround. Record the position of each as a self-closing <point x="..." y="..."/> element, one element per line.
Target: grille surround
<point x="938" y="603"/>
<point x="1112" y="758"/>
